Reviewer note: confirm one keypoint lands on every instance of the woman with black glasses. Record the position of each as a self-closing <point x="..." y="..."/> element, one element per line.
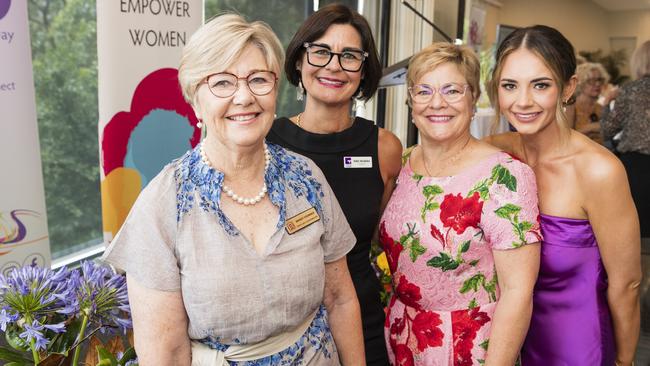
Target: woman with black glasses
<point x="332" y="61"/>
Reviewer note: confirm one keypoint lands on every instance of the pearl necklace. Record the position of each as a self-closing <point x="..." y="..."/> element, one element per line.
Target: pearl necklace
<point x="228" y="191"/>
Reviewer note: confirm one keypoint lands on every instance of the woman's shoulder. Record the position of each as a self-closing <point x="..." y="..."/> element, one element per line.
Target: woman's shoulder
<point x="594" y="164"/>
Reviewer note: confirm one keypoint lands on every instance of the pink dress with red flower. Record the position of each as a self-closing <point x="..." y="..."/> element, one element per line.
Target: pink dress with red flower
<point x="439" y="234"/>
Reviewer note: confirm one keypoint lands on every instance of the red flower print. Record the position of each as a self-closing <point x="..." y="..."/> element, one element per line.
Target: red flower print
<point x="408" y="293"/>
<point x="515" y="157"/>
<point x="403" y="355"/>
<point x="464" y="325"/>
<point x="458" y="213"/>
<point x="398" y="326"/>
<point x="392" y="247"/>
<point x="425" y="328"/>
<point x="437" y="235"/>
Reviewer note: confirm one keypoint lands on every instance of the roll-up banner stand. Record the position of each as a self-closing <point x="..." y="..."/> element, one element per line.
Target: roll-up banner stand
<point x="23" y="221"/>
<point x="144" y="122"/>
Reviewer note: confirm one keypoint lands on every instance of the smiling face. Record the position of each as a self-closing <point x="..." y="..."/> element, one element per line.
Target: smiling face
<point x="438" y="119"/>
<point x="330" y="84"/>
<point x="527" y="92"/>
<point x="242" y="119"/>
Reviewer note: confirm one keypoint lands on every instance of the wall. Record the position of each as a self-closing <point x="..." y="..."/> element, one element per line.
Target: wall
<point x="584" y="23"/>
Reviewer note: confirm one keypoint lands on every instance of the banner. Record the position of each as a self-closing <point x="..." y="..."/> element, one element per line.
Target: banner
<point x="144" y="122"/>
<point x="23" y="220"/>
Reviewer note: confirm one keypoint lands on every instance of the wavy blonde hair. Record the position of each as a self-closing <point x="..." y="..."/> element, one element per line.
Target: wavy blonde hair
<point x="218" y="44"/>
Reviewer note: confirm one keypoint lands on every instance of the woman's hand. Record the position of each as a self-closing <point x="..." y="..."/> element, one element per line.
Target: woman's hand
<point x="344" y="315"/>
<point x="517" y="272"/>
<point x="159" y="326"/>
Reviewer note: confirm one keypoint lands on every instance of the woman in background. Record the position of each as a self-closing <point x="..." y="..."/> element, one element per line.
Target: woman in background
<point x="592" y="77"/>
<point x="631" y="117"/>
<point x="462" y="215"/>
<point x="332" y="60"/>
<point x="235" y="253"/>
<point x="586" y="300"/>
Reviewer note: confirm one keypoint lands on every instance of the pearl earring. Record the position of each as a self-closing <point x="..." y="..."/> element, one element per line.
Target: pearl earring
<point x="300" y="91"/>
<point x="199" y="124"/>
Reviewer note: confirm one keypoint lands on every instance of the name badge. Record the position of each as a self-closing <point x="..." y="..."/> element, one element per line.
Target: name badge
<point x="357" y="161"/>
<point x="301" y="220"/>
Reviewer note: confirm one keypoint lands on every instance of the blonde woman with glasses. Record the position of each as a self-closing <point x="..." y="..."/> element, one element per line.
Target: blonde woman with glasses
<point x="235" y="253"/>
<point x="462" y="215"/>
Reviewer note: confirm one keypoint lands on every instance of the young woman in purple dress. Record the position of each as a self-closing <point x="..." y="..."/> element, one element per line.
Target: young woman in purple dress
<point x="586" y="300"/>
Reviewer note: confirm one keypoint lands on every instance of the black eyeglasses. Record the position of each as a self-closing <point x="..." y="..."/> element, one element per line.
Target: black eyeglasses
<point x="320" y="55"/>
<point x="225" y="84"/>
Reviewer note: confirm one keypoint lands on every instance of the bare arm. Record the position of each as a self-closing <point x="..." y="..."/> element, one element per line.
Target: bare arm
<point x="390" y="162"/>
<point x="508" y="142"/>
<point x="344" y="313"/>
<point x="517" y="272"/>
<point x="612" y="215"/>
<point x="159" y="326"/>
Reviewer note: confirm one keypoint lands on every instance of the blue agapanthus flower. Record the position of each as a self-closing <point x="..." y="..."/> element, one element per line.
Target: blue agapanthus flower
<point x="99" y="294"/>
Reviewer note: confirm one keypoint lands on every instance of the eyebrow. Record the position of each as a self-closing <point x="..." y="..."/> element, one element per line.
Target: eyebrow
<point x="325" y="45"/>
<point x="532" y="81"/>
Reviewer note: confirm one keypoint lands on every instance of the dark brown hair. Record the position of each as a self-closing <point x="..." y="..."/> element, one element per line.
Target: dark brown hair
<point x="316" y="25"/>
<point x="550" y="46"/>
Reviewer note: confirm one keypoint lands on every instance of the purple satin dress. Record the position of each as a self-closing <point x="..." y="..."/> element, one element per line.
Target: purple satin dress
<point x="571" y="324"/>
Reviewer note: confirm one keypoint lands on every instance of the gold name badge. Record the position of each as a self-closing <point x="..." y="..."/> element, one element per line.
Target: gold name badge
<point x="301" y="220"/>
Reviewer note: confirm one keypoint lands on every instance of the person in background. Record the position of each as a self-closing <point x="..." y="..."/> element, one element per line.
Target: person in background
<point x="462" y="215"/>
<point x="586" y="300"/>
<point x="333" y="61"/>
<point x="631" y="118"/>
<point x="592" y="78"/>
<point x="235" y="253"/>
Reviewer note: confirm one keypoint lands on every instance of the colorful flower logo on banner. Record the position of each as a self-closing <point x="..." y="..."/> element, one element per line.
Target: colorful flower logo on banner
<point x="4" y="7"/>
<point x="137" y="144"/>
<point x="14" y="229"/>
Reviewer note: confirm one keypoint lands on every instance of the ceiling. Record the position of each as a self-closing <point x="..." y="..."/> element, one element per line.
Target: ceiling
<point x="618" y="5"/>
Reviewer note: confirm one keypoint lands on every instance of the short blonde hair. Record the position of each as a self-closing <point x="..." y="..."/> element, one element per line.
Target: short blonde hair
<point x="583" y="72"/>
<point x="218" y="44"/>
<point x="640" y="62"/>
<point x="442" y="52"/>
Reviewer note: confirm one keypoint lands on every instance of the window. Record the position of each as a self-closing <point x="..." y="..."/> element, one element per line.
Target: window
<point x="64" y="53"/>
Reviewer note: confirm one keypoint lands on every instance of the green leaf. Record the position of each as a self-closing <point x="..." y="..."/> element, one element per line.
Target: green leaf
<point x="430" y="191"/>
<point x="464" y="247"/>
<point x="502" y="176"/>
<point x="417" y="177"/>
<point x="64" y="341"/>
<point x="8" y="354"/>
<point x="416" y="249"/>
<point x="443" y="261"/>
<point x="482" y="189"/>
<point x="507" y="211"/>
<point x="473" y="263"/>
<point x="14" y="340"/>
<point x="472" y="304"/>
<point x="485" y="344"/>
<point x="105" y="357"/>
<point x="524" y="226"/>
<point x="128" y="355"/>
<point x="472" y="283"/>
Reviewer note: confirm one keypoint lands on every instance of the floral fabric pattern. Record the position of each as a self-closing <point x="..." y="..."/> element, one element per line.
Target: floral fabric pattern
<point x="316" y="342"/>
<point x="438" y="234"/>
<point x="192" y="175"/>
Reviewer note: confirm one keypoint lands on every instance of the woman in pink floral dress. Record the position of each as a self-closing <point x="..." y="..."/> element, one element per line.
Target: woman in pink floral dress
<point x="463" y="214"/>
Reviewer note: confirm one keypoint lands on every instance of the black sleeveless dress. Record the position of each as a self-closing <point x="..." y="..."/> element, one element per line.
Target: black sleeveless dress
<point x="349" y="161"/>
